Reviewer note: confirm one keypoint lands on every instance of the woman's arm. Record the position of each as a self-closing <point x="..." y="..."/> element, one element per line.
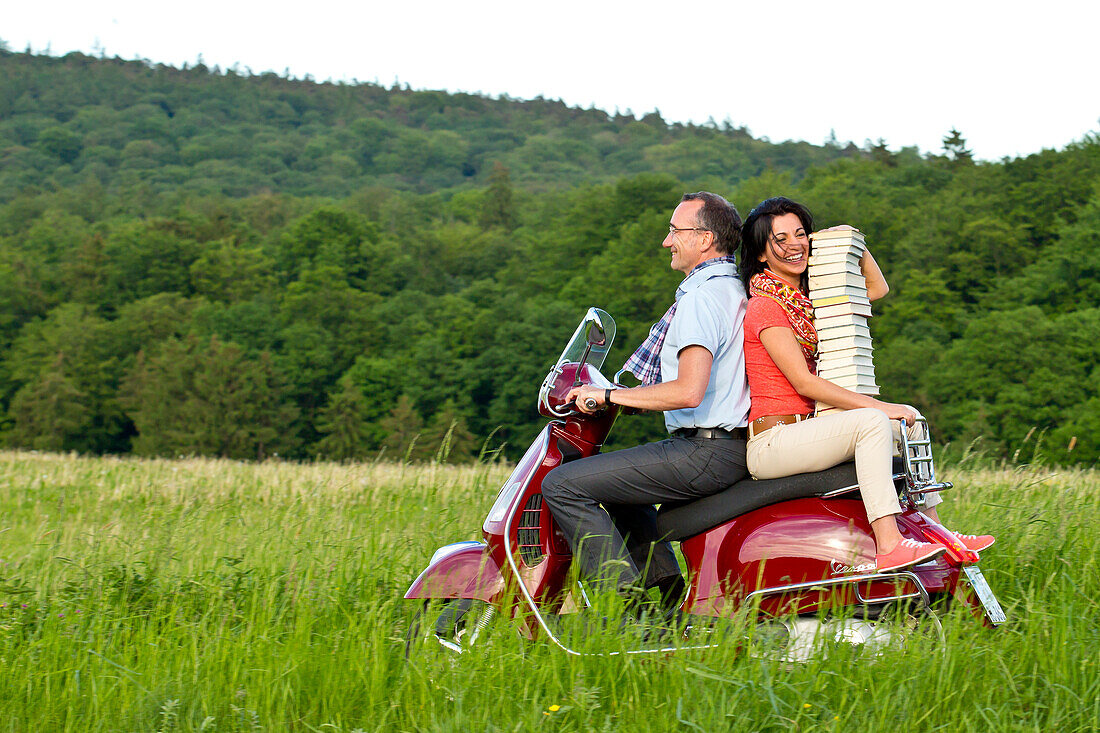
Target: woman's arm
<point x="784" y="350"/>
<point x="872" y="274"/>
<point x="876" y="281"/>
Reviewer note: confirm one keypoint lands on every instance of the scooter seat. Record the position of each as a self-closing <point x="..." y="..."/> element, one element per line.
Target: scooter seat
<point x="680" y="521"/>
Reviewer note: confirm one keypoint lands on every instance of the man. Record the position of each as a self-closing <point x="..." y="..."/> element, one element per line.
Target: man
<point x="693" y="368"/>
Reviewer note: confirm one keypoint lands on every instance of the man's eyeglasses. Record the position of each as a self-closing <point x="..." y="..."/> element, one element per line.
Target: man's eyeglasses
<point x="673" y="230"/>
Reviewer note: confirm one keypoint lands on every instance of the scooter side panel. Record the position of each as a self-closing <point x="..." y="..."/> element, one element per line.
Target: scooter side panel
<point x="800" y="541"/>
<point x="707" y="590"/>
<point x="464" y="570"/>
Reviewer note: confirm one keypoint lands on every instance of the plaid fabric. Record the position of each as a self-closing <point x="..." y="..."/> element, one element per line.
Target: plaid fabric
<point x="645" y="362"/>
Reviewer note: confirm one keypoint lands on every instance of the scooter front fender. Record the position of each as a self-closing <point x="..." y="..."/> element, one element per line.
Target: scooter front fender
<point x="460" y="570"/>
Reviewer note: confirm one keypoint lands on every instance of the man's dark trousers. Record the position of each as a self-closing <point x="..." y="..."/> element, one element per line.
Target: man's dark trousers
<point x="628" y="483"/>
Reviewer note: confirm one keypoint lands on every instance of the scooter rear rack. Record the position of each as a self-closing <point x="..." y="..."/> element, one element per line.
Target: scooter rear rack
<point x="920" y="469"/>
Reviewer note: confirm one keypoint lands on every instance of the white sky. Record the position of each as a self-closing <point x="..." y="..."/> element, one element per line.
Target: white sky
<point x="1014" y="77"/>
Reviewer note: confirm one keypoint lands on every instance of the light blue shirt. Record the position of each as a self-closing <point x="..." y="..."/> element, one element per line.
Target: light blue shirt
<point x="710" y="312"/>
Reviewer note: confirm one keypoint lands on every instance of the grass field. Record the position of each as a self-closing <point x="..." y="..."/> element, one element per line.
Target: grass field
<point x="211" y="595"/>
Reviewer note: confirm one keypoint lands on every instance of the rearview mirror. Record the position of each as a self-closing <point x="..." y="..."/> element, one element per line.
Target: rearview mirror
<point x="594" y="333"/>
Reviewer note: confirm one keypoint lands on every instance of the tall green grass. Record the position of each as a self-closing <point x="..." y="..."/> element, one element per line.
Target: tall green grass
<point x="211" y="595"/>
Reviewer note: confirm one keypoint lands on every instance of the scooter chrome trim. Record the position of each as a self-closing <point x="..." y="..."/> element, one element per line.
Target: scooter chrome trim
<point x="920" y="468"/>
<point x="921" y="593"/>
<point x="520" y="477"/>
<point x="448" y="550"/>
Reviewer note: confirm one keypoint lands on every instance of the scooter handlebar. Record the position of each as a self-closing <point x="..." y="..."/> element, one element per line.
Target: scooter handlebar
<point x="590" y="404"/>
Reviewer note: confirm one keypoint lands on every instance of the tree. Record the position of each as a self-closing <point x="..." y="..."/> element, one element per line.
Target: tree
<point x="880" y="153"/>
<point x="447" y="439"/>
<point x="343" y="422"/>
<point x="497" y="209"/>
<point x="228" y="271"/>
<point x="70" y="349"/>
<point x="954" y="144"/>
<point x="342" y="244"/>
<point x="195" y="397"/>
<point x="60" y="142"/>
<point x="49" y="412"/>
<point x="144" y="258"/>
<point x="402" y="428"/>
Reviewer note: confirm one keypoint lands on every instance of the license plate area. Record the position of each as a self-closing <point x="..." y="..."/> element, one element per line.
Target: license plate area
<point x="985" y="594"/>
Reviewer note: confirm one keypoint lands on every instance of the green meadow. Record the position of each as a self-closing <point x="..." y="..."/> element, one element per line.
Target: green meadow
<point x="212" y="595"/>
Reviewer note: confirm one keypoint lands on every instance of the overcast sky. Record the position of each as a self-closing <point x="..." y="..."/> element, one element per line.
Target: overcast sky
<point x="1014" y="77"/>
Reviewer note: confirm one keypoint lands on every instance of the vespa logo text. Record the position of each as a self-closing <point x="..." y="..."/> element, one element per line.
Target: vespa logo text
<point x="838" y="568"/>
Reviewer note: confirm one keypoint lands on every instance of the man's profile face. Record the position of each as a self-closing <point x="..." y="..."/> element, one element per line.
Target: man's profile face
<point x="686" y="243"/>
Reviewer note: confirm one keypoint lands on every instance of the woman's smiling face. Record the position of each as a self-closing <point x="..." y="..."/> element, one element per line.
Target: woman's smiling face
<point x="788" y="248"/>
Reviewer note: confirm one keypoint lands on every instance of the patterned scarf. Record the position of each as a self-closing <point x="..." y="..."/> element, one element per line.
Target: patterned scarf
<point x="645" y="363"/>
<point x="799" y="310"/>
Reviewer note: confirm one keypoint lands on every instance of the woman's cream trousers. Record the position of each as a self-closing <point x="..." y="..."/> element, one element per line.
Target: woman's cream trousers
<point x="822" y="442"/>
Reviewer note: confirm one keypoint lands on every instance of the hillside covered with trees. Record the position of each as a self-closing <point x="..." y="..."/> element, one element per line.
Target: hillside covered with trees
<point x="203" y="262"/>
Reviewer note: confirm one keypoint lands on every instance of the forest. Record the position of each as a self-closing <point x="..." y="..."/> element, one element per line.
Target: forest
<point x="198" y="261"/>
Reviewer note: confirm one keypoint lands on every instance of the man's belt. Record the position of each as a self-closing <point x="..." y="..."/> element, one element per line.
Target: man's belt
<point x="712" y="433"/>
<point x="768" y="422"/>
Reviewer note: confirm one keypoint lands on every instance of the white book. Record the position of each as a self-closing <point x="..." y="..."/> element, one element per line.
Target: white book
<point x="840" y="319"/>
<point x="853" y="234"/>
<point x="830" y="255"/>
<point x="846" y="342"/>
<point x="848" y="370"/>
<point x="849" y="353"/>
<point x="851" y="308"/>
<point x="825" y="255"/>
<point x="834" y="269"/>
<point x="834" y="295"/>
<point x="855" y="246"/>
<point x="831" y="362"/>
<point x="835" y="332"/>
<point x="857" y="383"/>
<point x="838" y="279"/>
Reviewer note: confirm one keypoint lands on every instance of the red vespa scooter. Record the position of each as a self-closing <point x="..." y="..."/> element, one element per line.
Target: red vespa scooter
<point x="793" y="552"/>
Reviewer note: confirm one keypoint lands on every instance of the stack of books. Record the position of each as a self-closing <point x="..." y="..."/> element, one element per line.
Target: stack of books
<point x="841" y="308"/>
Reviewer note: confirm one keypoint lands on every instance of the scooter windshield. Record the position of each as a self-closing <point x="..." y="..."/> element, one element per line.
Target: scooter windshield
<point x="598" y="328"/>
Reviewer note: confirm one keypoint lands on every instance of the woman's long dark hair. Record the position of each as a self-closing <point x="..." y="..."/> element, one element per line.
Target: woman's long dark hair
<point x="757" y="230"/>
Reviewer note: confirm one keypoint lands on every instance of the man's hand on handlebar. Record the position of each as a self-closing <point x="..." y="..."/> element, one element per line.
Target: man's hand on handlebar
<point x="587" y="399"/>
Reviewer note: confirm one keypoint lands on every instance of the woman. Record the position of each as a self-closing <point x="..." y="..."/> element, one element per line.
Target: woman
<point x="780" y="358"/>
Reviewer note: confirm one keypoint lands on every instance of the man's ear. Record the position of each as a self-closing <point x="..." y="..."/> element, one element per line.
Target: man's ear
<point x="711" y="241"/>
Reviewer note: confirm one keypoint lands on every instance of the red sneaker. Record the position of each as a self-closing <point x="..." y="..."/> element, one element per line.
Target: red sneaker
<point x="908" y="552"/>
<point x="975" y="542"/>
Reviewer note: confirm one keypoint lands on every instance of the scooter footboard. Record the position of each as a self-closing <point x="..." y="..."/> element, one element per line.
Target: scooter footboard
<point x="461" y="570"/>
